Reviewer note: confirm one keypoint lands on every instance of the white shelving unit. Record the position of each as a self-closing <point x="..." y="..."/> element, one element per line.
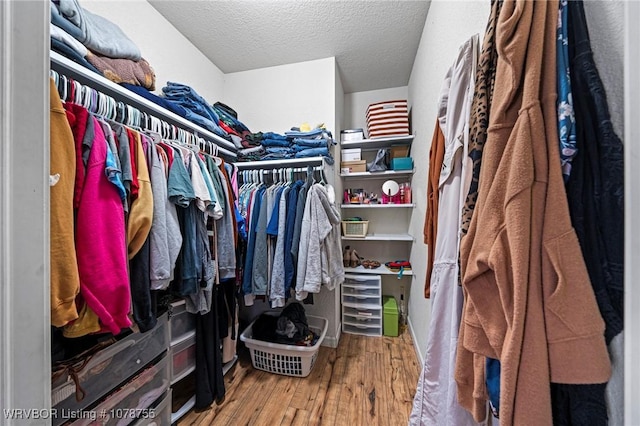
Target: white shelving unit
<point x="387" y="239"/>
<point x="377" y="206"/>
<point x="381" y="237"/>
<point x="387" y="174"/>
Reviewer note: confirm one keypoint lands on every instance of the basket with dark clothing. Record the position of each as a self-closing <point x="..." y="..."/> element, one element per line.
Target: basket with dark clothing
<point x="290" y="327"/>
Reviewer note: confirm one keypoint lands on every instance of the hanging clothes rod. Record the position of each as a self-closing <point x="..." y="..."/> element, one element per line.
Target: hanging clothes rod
<point x="137" y="110"/>
<point x="278" y="164"/>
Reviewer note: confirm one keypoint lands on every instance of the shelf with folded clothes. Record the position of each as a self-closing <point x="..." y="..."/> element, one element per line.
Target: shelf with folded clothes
<point x="87" y="77"/>
<point x="377" y="143"/>
<point x="292" y="145"/>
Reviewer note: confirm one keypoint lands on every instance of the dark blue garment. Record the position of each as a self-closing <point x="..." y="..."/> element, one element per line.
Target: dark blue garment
<point x="180" y="193"/>
<point x="595" y="192"/>
<point x="230" y="119"/>
<point x="276" y="156"/>
<point x="311" y="143"/>
<point x="240" y="223"/>
<point x="68" y="52"/>
<point x="276" y="136"/>
<point x="272" y="226"/>
<point x="140" y="282"/>
<point x="576" y="405"/>
<point x="493" y="385"/>
<point x="310" y="134"/>
<point x="595" y="189"/>
<point x="251" y="243"/>
<point x="278" y="150"/>
<point x="184" y="93"/>
<point x="313" y="152"/>
<point x="164" y="103"/>
<point x="275" y="142"/>
<point x="186" y="274"/>
<point x="289" y="266"/>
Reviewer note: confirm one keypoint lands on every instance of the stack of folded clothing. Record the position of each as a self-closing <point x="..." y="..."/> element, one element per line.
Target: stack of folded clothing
<point x="313" y="143"/>
<point x="293" y="144"/>
<point x="97" y="44"/>
<point x="198" y="110"/>
<point x="234" y="127"/>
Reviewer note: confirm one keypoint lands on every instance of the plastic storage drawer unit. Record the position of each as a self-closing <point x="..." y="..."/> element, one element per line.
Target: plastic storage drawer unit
<point x="183" y="357"/>
<point x="182" y="322"/>
<point x="160" y="414"/>
<point x="362" y="305"/>
<point x="390" y="321"/>
<point x="109" y="368"/>
<point x="134" y="399"/>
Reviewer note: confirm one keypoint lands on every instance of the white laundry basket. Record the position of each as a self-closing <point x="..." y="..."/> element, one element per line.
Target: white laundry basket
<point x="288" y="360"/>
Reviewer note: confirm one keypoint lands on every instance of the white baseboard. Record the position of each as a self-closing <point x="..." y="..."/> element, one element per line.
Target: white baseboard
<point x="332" y="341"/>
<point x="415" y="342"/>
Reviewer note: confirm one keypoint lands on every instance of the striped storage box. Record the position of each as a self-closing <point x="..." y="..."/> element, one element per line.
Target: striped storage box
<point x="389" y="118"/>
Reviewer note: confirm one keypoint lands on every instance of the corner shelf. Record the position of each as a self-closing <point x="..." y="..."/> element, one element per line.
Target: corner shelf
<point x="381" y="237"/>
<point x="381" y="270"/>
<point x="377" y="143"/>
<point x="376" y="206"/>
<point x="377" y="175"/>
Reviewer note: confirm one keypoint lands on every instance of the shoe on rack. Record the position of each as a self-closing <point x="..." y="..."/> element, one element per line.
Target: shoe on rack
<point x="346" y="256"/>
<point x="356" y="260"/>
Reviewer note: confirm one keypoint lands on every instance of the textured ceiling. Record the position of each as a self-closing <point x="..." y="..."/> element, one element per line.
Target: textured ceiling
<point x="374" y="42"/>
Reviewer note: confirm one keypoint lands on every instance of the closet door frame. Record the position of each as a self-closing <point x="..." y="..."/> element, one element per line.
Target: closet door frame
<point x="632" y="205"/>
<point x="25" y="336"/>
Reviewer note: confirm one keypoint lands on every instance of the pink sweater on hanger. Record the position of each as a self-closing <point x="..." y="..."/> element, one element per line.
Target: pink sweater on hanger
<point x="100" y="242"/>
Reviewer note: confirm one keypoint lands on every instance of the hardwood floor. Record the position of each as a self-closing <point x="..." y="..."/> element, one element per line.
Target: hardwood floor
<point x="365" y="381"/>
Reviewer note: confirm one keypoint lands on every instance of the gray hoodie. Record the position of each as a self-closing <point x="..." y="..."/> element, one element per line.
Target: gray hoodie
<point x="320" y="254"/>
<point x="164" y="237"/>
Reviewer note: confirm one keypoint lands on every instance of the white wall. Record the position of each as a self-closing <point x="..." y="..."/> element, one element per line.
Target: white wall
<point x="278" y="98"/>
<point x="356" y="103"/>
<point x="632" y="197"/>
<point x="448" y="25"/>
<point x="606" y="29"/>
<point x="170" y="53"/>
<point x="25" y="331"/>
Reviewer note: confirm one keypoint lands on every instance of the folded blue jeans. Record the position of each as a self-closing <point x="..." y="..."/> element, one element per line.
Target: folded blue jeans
<point x="311" y="143"/>
<point x="275" y="143"/>
<point x="311" y="134"/>
<point x="271" y="135"/>
<point x="205" y="123"/>
<point x="178" y="90"/>
<point x="278" y="150"/>
<point x="313" y="152"/>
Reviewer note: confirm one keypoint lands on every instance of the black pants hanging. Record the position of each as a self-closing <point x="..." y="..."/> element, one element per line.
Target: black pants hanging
<point x="209" y="377"/>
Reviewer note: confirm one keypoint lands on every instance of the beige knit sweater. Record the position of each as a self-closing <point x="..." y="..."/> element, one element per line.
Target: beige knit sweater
<point x="529" y="300"/>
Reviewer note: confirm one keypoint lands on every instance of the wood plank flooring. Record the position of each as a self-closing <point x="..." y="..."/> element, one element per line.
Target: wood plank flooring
<point x="365" y="381"/>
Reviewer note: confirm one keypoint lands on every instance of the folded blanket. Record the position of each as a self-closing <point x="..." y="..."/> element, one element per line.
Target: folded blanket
<point x="99" y="34"/>
<point x="63" y="36"/>
<point x="138" y="73"/>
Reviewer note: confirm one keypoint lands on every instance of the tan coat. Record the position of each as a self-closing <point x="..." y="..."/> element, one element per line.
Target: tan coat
<point x="436" y="157"/>
<point x="529" y="300"/>
<point x="65" y="281"/>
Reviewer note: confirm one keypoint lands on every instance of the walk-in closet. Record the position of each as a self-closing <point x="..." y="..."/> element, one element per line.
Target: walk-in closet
<point x="258" y="213"/>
